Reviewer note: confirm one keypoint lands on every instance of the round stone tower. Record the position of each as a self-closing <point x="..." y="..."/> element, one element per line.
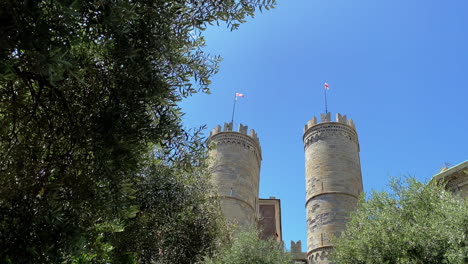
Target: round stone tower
<point x="333" y="181"/>
<point x="235" y="159"/>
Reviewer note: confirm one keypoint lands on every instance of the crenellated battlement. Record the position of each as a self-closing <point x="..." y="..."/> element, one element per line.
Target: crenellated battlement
<point x="296" y="247"/>
<point x="325" y="118"/>
<point x="342" y="127"/>
<point x="240" y="137"/>
<point x="228" y="127"/>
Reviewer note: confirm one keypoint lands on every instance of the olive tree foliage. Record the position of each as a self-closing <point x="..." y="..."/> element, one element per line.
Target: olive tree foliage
<point x="414" y="223"/>
<point x="178" y="219"/>
<point x="92" y="149"/>
<point x="247" y="247"/>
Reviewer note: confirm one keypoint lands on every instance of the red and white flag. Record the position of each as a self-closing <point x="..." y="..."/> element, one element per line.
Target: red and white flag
<point x="240" y="95"/>
<point x="326" y="86"/>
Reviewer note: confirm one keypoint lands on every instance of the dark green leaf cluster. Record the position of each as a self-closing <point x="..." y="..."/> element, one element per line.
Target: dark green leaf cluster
<point x="415" y="223"/>
<point x="178" y="220"/>
<point x="91" y="140"/>
<point x="247" y="247"/>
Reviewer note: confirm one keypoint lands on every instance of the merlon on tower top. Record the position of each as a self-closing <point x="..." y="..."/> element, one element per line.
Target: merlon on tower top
<point x="242" y="129"/>
<point x="324" y="118"/>
<point x="240" y="138"/>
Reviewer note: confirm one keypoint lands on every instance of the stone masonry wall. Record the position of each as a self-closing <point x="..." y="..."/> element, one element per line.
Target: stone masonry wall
<point x="333" y="181"/>
<point x="235" y="165"/>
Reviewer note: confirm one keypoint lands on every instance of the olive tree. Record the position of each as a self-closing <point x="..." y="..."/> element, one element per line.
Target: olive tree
<point x="91" y="139"/>
<point x="247" y="247"/>
<point x="413" y="223"/>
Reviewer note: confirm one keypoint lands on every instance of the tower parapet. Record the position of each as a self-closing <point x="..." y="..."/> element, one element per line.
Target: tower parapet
<point x="326" y="118"/>
<point x="235" y="159"/>
<point x="314" y="131"/>
<point x="240" y="137"/>
<point x="242" y="129"/>
<point x="333" y="181"/>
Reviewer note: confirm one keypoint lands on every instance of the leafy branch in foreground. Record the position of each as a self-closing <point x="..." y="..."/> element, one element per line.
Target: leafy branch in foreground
<point x="88" y="115"/>
<point x="247" y="247"/>
<point x="414" y="223"/>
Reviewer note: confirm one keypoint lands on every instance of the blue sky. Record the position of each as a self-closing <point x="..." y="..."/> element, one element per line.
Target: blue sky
<point x="398" y="68"/>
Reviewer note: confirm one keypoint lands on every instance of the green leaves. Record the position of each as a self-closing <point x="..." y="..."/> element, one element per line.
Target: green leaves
<point x="89" y="127"/>
<point x="414" y="223"/>
<point x="247" y="247"/>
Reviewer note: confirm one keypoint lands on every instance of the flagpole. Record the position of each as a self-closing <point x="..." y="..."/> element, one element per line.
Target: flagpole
<point x="233" y="108"/>
<point x="325" y="93"/>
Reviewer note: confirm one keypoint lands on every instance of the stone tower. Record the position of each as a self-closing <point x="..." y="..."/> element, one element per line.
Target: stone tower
<point x="333" y="181"/>
<point x="235" y="166"/>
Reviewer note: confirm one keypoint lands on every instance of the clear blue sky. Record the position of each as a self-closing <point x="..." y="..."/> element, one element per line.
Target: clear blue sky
<point x="398" y="68"/>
